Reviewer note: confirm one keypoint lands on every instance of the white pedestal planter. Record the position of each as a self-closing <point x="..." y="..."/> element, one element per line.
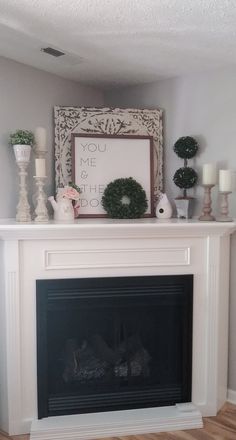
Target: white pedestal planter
<point x="22" y="155"/>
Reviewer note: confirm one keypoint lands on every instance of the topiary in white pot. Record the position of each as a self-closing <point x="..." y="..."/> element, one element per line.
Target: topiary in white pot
<point x="22" y="142"/>
<point x="185" y="177"/>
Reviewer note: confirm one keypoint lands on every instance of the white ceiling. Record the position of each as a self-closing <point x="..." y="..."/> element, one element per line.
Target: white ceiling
<point x="120" y="42"/>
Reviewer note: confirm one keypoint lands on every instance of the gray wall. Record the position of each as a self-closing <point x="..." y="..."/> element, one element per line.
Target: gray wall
<point x="27" y="97"/>
<point x="203" y="106"/>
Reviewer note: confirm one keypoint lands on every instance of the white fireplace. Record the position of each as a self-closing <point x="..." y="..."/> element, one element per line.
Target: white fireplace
<point x="107" y="248"/>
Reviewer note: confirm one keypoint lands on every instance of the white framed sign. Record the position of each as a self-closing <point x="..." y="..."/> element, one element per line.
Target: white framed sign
<point x="99" y="159"/>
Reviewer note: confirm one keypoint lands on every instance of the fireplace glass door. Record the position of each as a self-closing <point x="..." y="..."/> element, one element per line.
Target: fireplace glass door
<point x="118" y="343"/>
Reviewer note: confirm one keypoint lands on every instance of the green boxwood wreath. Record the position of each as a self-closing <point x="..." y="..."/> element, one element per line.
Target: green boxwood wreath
<point x="124" y="198"/>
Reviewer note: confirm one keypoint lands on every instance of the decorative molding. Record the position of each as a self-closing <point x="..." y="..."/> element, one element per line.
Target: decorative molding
<point x="231" y="396"/>
<point x="107" y="258"/>
<point x="116" y="423"/>
<point x="213" y="263"/>
<point x="102" y="121"/>
<point x="12" y="310"/>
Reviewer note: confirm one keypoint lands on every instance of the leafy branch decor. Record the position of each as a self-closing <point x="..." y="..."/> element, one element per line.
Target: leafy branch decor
<point x="124" y="198"/>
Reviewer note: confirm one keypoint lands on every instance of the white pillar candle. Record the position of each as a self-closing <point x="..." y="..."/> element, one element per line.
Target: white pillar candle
<point x="225" y="180"/>
<point x="209" y="174"/>
<point x="40" y="168"/>
<point x="40" y="138"/>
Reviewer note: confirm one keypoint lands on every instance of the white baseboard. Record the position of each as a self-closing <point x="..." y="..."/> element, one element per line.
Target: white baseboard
<point x="231" y="396"/>
<point x="117" y="423"/>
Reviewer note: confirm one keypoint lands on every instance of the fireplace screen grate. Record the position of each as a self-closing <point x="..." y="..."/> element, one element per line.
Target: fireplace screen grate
<point x="113" y="343"/>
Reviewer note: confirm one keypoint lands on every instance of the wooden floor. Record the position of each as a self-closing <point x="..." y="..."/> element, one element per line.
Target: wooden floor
<point x="221" y="427"/>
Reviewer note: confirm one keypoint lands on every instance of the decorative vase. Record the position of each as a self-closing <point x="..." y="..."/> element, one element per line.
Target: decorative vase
<point x="184" y="207"/>
<point x="22" y="152"/>
<point x="163" y="208"/>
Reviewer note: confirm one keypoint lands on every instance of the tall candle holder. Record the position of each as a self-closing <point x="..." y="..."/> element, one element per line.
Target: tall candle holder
<point x="206" y="210"/>
<point x="23" y="207"/>
<point x="39" y="154"/>
<point x="224" y="207"/>
<point x="41" y="212"/>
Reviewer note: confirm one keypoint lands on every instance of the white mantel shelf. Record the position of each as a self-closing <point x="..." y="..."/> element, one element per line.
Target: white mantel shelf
<point x="93" y="228"/>
<point x="107" y="248"/>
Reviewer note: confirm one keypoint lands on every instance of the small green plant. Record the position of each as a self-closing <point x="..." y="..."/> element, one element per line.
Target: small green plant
<point x="22" y="137"/>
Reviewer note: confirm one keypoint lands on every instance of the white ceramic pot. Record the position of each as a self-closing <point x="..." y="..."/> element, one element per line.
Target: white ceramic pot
<point x="22" y="152"/>
<point x="184" y="207"/>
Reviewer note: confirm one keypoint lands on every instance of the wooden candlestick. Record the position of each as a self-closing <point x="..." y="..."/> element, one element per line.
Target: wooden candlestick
<point x="206" y="215"/>
<point x="224" y="207"/>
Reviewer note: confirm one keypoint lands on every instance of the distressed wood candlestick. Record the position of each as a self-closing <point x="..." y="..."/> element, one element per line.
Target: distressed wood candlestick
<point x="224" y="207"/>
<point x="41" y="212"/>
<point x="206" y="210"/>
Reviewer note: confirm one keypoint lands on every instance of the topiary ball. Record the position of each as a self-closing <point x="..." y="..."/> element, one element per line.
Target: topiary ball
<point x="124" y="198"/>
<point x="186" y="147"/>
<point x="185" y="177"/>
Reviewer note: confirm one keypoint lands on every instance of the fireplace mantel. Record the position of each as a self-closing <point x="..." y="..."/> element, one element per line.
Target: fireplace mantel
<point x="93" y="228"/>
<point x="105" y="247"/>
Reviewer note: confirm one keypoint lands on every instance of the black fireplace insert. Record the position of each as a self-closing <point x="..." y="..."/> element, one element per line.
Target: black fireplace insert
<point x="113" y="343"/>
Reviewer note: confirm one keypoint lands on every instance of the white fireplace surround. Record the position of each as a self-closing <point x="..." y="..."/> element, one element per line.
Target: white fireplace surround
<point x="98" y="248"/>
